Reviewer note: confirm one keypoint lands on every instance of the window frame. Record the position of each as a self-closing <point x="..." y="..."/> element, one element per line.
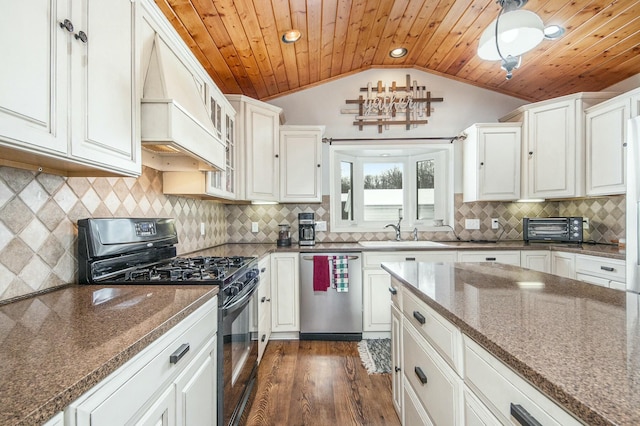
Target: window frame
<point x="409" y="155"/>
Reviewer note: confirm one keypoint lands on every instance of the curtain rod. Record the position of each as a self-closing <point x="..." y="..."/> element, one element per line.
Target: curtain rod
<point x="438" y="138"/>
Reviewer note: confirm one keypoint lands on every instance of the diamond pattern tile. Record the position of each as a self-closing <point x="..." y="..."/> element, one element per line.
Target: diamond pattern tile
<point x="38" y="215"/>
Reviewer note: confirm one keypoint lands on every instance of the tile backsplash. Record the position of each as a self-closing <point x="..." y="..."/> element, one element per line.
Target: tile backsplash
<point x="39" y="211"/>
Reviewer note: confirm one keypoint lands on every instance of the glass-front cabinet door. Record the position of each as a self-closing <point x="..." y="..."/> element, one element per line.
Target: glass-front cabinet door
<point x="222" y="183"/>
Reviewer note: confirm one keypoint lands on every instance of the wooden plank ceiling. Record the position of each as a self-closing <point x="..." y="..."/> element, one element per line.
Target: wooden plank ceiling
<point x="238" y="42"/>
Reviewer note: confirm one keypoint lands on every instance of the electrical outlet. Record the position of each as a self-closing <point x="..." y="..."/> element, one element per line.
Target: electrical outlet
<point x="321" y="226"/>
<point x="585" y="223"/>
<point x="254" y="227"/>
<point x="202" y="228"/>
<point x="472" y="223"/>
<point x="494" y="223"/>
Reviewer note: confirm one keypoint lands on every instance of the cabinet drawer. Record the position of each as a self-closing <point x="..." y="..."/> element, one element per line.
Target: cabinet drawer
<point x="443" y="335"/>
<point x="506" y="257"/>
<point x="610" y="269"/>
<point x="373" y="260"/>
<point x="498" y="387"/>
<point x="395" y="288"/>
<point x="475" y="412"/>
<point x="436" y="385"/>
<point x="414" y="413"/>
<point x="120" y="396"/>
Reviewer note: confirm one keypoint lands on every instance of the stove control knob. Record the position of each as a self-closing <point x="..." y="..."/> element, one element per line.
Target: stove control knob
<point x="252" y="274"/>
<point x="232" y="290"/>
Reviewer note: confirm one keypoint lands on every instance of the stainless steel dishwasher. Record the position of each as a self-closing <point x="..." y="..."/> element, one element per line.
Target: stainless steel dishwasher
<point x="330" y="315"/>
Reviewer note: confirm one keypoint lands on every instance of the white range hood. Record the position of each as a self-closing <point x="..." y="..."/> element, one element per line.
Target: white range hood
<point x="176" y="129"/>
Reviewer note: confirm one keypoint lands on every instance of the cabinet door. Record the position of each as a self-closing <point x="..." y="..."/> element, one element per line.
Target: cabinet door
<point x="551" y="152"/>
<point x="285" y="292"/>
<point x="605" y="148"/>
<point x="301" y="166"/>
<point x="196" y="389"/>
<point x="377" y="300"/>
<point x="264" y="306"/>
<point x="103" y="98"/>
<point x="161" y="413"/>
<point x="34" y="74"/>
<point x="396" y="359"/>
<point x="262" y="166"/>
<point x="538" y="260"/>
<point x="563" y="264"/>
<point x="499" y="164"/>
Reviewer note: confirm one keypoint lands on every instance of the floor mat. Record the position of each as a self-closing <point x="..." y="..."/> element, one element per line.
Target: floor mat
<point x="376" y="355"/>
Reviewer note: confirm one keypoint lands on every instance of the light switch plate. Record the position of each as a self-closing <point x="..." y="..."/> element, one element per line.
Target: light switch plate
<point x="472" y="223"/>
<point x="254" y="226"/>
<point x="201" y="228"/>
<point x="321" y="225"/>
<point x="585" y="223"/>
<point x="495" y="224"/>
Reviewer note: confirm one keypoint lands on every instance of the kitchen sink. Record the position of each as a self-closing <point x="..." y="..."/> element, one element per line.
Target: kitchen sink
<point x="406" y="243"/>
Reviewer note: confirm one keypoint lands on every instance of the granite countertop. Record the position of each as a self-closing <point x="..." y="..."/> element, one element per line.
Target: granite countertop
<point x="259" y="250"/>
<point x="55" y="346"/>
<point x="578" y="343"/>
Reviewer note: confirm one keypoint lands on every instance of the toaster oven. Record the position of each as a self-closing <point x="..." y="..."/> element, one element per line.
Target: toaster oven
<point x="557" y="229"/>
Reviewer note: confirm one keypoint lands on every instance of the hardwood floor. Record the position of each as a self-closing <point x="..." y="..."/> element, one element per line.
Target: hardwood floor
<point x="319" y="383"/>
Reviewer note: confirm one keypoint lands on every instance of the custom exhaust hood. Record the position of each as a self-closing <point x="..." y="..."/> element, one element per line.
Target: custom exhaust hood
<point x="176" y="129"/>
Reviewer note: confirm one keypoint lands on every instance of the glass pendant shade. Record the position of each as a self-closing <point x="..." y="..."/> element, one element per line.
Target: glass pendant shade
<point x="519" y="32"/>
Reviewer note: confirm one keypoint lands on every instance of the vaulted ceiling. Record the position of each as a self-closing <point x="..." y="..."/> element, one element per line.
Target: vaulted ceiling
<point x="239" y="42"/>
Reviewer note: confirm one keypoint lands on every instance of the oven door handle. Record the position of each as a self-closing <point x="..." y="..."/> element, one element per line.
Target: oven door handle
<point x="241" y="302"/>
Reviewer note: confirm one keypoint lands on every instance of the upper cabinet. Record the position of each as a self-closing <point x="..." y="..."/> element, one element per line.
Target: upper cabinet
<point x="606" y="141"/>
<point x="257" y="129"/>
<point x="491" y="162"/>
<point x="553" y="145"/>
<point x="68" y="99"/>
<point x="301" y="164"/>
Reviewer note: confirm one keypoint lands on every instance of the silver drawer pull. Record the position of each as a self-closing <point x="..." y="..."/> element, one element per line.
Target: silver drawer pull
<point x="179" y="353"/>
<point x="522" y="416"/>
<point x="421" y="319"/>
<point x="421" y="375"/>
<point x="607" y="268"/>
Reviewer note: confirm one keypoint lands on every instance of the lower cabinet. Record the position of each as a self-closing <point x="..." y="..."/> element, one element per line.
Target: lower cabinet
<point x="601" y="271"/>
<point x="508" y="257"/>
<point x="376" y="281"/>
<point x="396" y="358"/>
<point x="285" y="293"/>
<point x="264" y="305"/>
<point x="563" y="264"/>
<point x="538" y="260"/>
<point x="171" y="382"/>
<point x="448" y="379"/>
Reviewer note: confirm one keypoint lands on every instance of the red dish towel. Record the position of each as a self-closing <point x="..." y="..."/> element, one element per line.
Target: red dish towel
<point x="321" y="281"/>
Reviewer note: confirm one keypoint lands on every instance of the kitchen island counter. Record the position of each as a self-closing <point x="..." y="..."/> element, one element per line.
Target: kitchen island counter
<point x="57" y="345"/>
<point x="579" y="344"/>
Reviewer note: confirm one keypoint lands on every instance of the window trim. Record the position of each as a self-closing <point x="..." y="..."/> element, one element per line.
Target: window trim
<point x="409" y="154"/>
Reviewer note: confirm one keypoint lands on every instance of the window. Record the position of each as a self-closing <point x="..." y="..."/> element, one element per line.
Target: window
<point x="374" y="186"/>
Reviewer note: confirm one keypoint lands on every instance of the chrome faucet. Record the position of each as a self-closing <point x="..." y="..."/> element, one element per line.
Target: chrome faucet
<point x="396" y="227"/>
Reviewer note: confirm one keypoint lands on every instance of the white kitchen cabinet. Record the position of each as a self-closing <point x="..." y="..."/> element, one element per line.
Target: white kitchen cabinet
<point x="475" y="412"/>
<point x="264" y="305"/>
<point x="301" y="164"/>
<point x="396" y="358"/>
<point x="491" y="160"/>
<point x="508" y="257"/>
<point x="601" y="271"/>
<point x="563" y="264"/>
<point x="376" y="281"/>
<point x="606" y="127"/>
<point x="553" y="145"/>
<point x="257" y="132"/>
<point x="499" y="388"/>
<point x="150" y="390"/>
<point x="68" y="97"/>
<point x="285" y="293"/>
<point x="538" y="260"/>
<point x="437" y="386"/>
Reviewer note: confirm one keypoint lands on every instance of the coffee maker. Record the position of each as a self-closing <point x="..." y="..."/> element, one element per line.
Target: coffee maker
<point x="306" y="229"/>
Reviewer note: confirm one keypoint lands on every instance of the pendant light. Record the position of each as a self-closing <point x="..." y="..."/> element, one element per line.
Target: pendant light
<point x="513" y="33"/>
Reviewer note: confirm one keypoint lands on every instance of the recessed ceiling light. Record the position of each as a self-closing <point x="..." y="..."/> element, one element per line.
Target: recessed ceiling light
<point x="291" y="36"/>
<point x="552" y="32"/>
<point x="398" y="52"/>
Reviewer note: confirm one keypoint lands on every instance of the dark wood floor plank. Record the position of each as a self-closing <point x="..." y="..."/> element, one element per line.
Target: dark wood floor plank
<point x="310" y="383"/>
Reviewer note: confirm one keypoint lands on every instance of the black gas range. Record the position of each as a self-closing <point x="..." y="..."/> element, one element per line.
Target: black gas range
<point x="142" y="251"/>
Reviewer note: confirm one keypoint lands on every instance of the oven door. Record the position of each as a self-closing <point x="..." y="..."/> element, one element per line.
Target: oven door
<point x="239" y="354"/>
